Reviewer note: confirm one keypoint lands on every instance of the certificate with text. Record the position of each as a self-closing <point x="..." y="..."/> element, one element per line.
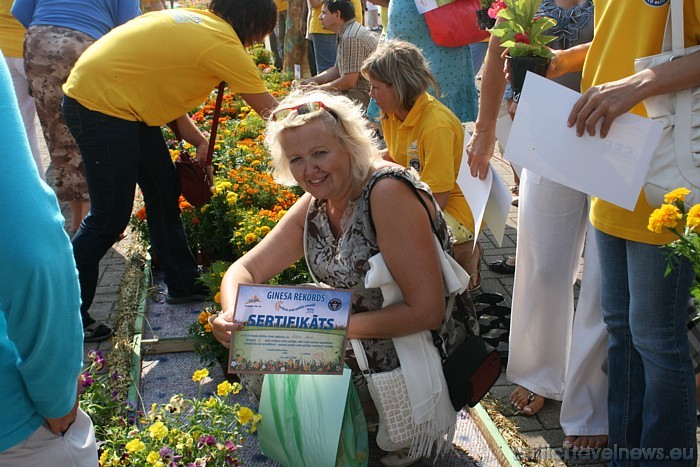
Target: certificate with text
<point x="290" y="329"/>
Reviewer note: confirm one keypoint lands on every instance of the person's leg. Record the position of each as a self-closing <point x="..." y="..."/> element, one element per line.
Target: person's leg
<point x="49" y="55"/>
<point x="548" y="255"/>
<point x="584" y="410"/>
<point x="325" y="48"/>
<point x="158" y="181"/>
<point x="658" y="327"/>
<point x="110" y="150"/>
<point x="26" y="108"/>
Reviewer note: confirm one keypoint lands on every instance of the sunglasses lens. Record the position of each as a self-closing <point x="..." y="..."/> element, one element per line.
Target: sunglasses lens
<point x="308" y="108"/>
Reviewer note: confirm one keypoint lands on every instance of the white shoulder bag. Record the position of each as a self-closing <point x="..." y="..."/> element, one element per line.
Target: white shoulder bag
<point x="676" y="162"/>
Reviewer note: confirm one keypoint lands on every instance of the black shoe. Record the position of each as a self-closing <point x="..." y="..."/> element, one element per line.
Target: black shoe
<point x="96" y="332"/>
<point x="501" y="266"/>
<point x="200" y="294"/>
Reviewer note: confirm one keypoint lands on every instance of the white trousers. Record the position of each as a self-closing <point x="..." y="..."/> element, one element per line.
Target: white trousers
<point x="26" y="108"/>
<point x="553" y="351"/>
<point x="76" y="448"/>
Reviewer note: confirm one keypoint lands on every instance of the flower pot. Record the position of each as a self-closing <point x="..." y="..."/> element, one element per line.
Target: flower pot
<point x="484" y="20"/>
<point x="519" y="66"/>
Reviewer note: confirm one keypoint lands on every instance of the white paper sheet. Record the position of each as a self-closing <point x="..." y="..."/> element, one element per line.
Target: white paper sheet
<point x="611" y="168"/>
<point x="489" y="199"/>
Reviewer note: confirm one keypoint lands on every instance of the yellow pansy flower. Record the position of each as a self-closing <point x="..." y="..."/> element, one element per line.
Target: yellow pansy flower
<point x="199" y="375"/>
<point x="158" y="430"/>
<point x="152" y="457"/>
<point x="244" y="415"/>
<point x="135" y="445"/>
<point x="224" y="389"/>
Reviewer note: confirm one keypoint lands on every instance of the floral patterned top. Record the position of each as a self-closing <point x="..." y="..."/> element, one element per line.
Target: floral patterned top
<point x="343" y="262"/>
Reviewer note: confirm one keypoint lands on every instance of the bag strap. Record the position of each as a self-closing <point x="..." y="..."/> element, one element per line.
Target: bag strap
<point x="360" y="356"/>
<point x="214" y="124"/>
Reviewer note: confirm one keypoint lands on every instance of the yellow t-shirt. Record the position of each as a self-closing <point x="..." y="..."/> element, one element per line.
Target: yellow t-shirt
<point x="617" y="42"/>
<point x="159" y="66"/>
<point x="11" y="31"/>
<point x="430" y="140"/>
<point x="315" y="26"/>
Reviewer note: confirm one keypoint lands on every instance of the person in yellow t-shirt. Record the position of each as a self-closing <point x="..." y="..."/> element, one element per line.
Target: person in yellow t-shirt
<point x="422" y="133"/>
<point x="651" y="401"/>
<point x="120" y="92"/>
<point x="11" y="40"/>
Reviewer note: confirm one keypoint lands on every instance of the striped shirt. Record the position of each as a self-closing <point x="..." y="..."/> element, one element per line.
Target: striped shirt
<point x="355" y="43"/>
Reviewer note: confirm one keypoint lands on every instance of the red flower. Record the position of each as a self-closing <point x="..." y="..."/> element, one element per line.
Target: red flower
<point x="496" y="6"/>
<point x="522" y="37"/>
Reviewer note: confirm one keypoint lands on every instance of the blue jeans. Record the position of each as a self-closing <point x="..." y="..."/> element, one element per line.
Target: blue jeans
<point x="117" y="155"/>
<point x="325" y="48"/>
<point x="651" y="397"/>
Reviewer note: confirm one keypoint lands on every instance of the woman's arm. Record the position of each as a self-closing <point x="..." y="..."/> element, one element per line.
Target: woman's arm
<point x="190" y="133"/>
<point x="608" y="101"/>
<point x="263" y="103"/>
<point x="410" y="255"/>
<point x="279" y="249"/>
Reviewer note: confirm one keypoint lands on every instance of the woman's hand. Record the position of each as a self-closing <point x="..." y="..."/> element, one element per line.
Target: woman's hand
<point x="222" y="326"/>
<point x="480" y="150"/>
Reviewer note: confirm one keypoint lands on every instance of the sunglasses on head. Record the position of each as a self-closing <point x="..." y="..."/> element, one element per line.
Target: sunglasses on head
<point x="301" y="109"/>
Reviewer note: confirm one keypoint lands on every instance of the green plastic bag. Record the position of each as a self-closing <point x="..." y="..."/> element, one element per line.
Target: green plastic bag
<point x="312" y="421"/>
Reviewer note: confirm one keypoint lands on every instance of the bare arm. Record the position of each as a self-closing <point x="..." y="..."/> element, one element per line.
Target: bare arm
<point x="278" y="250"/>
<point x="190" y="133"/>
<point x="263" y="103"/>
<point x="493" y="84"/>
<point x="410" y="255"/>
<point x="384" y="3"/>
<point x="327" y="76"/>
<point x="606" y="102"/>
<point x="342" y="83"/>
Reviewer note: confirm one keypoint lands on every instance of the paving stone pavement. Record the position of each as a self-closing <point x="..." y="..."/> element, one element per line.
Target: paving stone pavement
<point x="542" y="431"/>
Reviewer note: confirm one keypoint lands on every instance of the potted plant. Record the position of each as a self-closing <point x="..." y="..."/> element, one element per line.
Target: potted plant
<point x="486" y="16"/>
<point x="522" y="33"/>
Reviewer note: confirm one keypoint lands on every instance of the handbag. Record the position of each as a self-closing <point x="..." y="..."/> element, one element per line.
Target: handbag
<point x="471" y="369"/>
<point x="454" y="24"/>
<point x="193" y="179"/>
<point x="676" y="161"/>
<point x="390" y="395"/>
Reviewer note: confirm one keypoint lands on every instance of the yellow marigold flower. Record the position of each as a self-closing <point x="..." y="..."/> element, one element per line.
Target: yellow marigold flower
<point x="207" y="327"/>
<point x="665" y="216"/>
<point x="158" y="430"/>
<point x="203" y="317"/>
<point x="217" y="297"/>
<point x="236" y="388"/>
<point x="693" y="219"/>
<point x="135" y="445"/>
<point x="264" y="230"/>
<point x="199" y="375"/>
<point x="281" y="214"/>
<point x="255" y="163"/>
<point x="244" y="415"/>
<point x="678" y="194"/>
<point x="250" y="238"/>
<point x="210" y="403"/>
<point x="152" y="457"/>
<point x="224" y="389"/>
<point x="231" y="197"/>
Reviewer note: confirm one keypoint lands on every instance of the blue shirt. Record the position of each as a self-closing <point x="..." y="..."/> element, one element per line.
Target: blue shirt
<point x="93" y="17"/>
<point x="41" y="337"/>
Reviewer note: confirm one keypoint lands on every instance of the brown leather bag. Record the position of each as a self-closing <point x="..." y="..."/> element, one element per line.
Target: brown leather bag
<point x="193" y="178"/>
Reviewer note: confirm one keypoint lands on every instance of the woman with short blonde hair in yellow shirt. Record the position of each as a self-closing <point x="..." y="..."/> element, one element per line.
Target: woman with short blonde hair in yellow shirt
<point x="422" y="133"/>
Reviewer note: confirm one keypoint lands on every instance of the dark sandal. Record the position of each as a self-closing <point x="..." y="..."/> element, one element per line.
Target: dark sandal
<point x="96" y="332"/>
<point x="502" y="267"/>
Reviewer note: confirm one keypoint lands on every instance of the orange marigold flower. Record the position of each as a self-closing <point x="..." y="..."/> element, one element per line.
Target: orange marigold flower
<point x="141" y="214"/>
